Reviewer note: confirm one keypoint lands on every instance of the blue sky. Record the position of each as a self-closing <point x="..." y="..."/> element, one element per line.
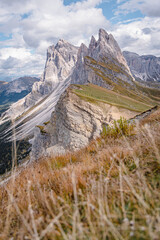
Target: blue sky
<point x="28" y="27"/>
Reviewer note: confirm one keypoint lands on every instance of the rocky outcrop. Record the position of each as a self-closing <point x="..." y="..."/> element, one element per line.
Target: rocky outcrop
<point x="60" y="62"/>
<point x="73" y="124"/>
<point x="101" y="63"/>
<point x="145" y="68"/>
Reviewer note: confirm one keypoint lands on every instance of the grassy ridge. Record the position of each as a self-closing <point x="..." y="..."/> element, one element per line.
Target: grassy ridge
<point x="95" y="93"/>
<point x="106" y="68"/>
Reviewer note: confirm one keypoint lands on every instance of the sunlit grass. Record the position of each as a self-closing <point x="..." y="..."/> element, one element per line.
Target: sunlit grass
<point x="93" y="93"/>
<point x="108" y="190"/>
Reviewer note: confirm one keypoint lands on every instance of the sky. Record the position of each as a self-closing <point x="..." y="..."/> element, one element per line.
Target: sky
<point x="29" y="27"/>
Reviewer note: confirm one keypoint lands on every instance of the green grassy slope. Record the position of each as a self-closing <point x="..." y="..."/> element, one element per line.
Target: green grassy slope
<point x="107" y="69"/>
<point x="95" y="93"/>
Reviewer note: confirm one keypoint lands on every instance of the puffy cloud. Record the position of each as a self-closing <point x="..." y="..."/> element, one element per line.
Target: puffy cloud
<point x="9" y="63"/>
<point x="37" y="24"/>
<point x="20" y="62"/>
<point x="140" y="36"/>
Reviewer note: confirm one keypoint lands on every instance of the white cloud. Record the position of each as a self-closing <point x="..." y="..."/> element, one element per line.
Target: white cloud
<point x="139" y="36"/>
<point x="87" y="4"/>
<point x="36" y="24"/>
<point x="20" y="53"/>
<point x="20" y="62"/>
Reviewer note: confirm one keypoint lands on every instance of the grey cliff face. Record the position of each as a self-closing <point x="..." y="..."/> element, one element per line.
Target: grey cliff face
<point x="60" y="61"/>
<point x="59" y="65"/>
<point x="145" y="68"/>
<point x="73" y="124"/>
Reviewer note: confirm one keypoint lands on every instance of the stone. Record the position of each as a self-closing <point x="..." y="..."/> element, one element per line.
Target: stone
<point x="73" y="124"/>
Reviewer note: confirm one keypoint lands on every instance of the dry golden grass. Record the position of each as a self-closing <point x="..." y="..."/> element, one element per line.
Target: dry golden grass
<point x="108" y="190"/>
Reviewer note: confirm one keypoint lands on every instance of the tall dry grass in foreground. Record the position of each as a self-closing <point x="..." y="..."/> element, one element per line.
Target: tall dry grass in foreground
<point x="109" y="190"/>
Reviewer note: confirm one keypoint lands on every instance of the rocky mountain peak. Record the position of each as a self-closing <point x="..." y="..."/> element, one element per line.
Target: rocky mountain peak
<point x="103" y="35"/>
<point x="108" y="45"/>
<point x="106" y="50"/>
<point x="60" y="61"/>
<point x="93" y="43"/>
<point x="62" y="44"/>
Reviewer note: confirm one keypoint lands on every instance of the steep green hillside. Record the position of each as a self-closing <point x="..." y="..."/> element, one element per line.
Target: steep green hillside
<point x="106" y="69"/>
<point x="95" y="93"/>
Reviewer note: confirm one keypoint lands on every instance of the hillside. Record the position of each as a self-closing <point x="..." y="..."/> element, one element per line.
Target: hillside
<point x="78" y="118"/>
<point x="105" y="70"/>
<point x="107" y="190"/>
<point x="95" y="93"/>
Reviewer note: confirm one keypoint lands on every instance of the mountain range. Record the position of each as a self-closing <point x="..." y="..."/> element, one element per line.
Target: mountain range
<point x="144" y="68"/>
<point x="11" y="92"/>
<point x="82" y="89"/>
<point x="79" y="154"/>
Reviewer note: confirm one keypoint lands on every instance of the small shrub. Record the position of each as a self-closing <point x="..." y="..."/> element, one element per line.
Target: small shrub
<point x="46" y="123"/>
<point x="41" y="129"/>
<point x="121" y="127"/>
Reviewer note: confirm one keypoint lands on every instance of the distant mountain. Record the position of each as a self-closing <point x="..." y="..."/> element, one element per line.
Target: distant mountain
<point x="15" y="90"/>
<point x="144" y="68"/>
<point x="2" y="83"/>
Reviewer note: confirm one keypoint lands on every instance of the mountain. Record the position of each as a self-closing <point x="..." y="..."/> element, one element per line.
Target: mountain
<point x="102" y="77"/>
<point x="11" y="92"/>
<point x="43" y="97"/>
<point x="80" y="115"/>
<point x="2" y="83"/>
<point x="102" y="63"/>
<point x="144" y="68"/>
<point x="15" y="90"/>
